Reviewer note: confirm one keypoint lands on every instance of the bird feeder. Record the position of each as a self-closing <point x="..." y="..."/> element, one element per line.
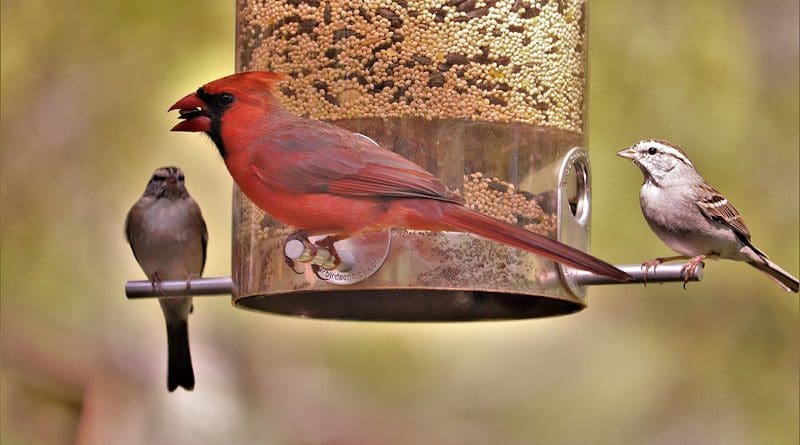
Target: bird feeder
<point x="488" y="95"/>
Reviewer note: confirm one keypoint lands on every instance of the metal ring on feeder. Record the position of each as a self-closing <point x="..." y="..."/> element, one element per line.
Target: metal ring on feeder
<point x="574" y="205"/>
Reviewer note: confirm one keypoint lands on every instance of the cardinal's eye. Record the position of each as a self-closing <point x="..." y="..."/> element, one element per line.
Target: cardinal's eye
<point x="652" y="150"/>
<point x="225" y="99"/>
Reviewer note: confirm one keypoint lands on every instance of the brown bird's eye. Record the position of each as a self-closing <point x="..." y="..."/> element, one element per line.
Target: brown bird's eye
<point x="225" y="99"/>
<point x="156" y="178"/>
<point x="181" y="178"/>
<point x="652" y="150"/>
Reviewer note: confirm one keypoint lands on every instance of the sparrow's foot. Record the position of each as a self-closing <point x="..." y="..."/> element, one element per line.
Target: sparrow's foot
<point x="689" y="268"/>
<point x="655" y="262"/>
<point x="647" y="265"/>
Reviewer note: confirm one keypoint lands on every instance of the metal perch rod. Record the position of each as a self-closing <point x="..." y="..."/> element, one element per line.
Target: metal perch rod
<point x="224" y="285"/>
<point x="177" y="288"/>
<point x="664" y="273"/>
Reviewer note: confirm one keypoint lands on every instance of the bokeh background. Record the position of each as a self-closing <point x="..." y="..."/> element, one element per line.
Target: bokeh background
<point x="85" y="87"/>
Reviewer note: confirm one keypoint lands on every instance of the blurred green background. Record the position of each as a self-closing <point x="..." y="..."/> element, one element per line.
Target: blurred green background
<point x="85" y="87"/>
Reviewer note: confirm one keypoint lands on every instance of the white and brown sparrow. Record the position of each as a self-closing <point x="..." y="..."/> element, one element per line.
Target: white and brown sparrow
<point x="690" y="216"/>
<point x="168" y="235"/>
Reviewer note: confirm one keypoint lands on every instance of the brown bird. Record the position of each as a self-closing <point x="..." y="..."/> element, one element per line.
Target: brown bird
<point x="168" y="235"/>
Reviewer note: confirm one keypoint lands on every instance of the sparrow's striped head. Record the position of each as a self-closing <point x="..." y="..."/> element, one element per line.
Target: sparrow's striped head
<point x="658" y="159"/>
<point x="167" y="182"/>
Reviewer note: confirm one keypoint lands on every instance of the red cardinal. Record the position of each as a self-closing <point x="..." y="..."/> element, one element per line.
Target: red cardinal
<point x="324" y="179"/>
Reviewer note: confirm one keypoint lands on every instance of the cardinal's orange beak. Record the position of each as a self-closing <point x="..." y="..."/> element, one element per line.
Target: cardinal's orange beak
<point x="193" y="110"/>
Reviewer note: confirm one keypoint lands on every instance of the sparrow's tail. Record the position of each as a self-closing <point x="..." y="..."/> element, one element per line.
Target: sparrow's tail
<point x="777" y="274"/>
<point x="179" y="367"/>
<point x="461" y="219"/>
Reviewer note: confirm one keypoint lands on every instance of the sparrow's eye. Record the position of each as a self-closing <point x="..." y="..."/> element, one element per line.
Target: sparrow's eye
<point x="181" y="178"/>
<point x="156" y="178"/>
<point x="652" y="150"/>
<point x="225" y="99"/>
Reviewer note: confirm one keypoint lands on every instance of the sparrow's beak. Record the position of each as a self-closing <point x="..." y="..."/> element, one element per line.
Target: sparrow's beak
<point x="192" y="110"/>
<point x="627" y="153"/>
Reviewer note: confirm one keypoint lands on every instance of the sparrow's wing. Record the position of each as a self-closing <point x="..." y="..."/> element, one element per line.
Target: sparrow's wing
<point x="128" y="228"/>
<point x="717" y="208"/>
<point x="325" y="158"/>
<point x="195" y="226"/>
<point x="204" y="238"/>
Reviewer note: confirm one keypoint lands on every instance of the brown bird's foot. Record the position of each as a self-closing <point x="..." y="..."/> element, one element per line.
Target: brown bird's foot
<point x="654" y="263"/>
<point x="689" y="268"/>
<point x="189" y="279"/>
<point x="155" y="281"/>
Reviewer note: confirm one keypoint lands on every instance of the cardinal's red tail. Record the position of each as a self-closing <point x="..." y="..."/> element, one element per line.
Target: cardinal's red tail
<point x="461" y="219"/>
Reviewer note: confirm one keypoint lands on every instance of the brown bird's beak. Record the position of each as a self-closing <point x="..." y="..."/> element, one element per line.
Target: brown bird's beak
<point x="192" y="110"/>
<point x="627" y="153"/>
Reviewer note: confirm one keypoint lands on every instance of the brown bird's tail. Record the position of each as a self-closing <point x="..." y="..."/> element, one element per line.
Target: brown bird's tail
<point x="777" y="274"/>
<point x="179" y="359"/>
<point x="464" y="220"/>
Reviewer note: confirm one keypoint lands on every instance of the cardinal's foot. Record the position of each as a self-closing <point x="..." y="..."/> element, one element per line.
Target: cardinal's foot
<point x="321" y="254"/>
<point x="327" y="256"/>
